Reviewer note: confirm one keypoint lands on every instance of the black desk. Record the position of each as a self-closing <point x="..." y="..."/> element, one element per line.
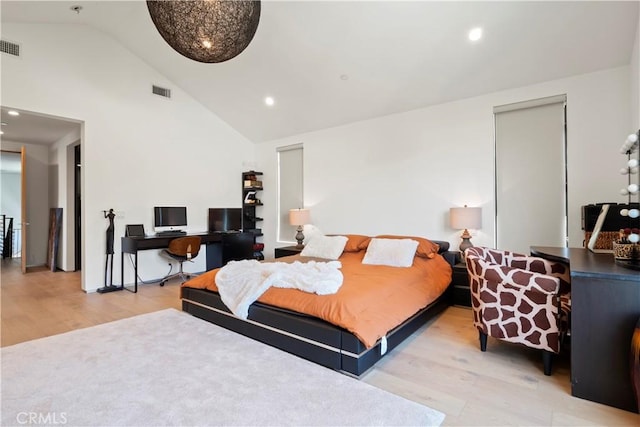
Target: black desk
<point x="221" y="247"/>
<point x="131" y="245"/>
<point x="605" y="306"/>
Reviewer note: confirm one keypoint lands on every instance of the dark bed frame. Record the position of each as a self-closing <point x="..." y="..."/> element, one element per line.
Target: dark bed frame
<point x="307" y="336"/>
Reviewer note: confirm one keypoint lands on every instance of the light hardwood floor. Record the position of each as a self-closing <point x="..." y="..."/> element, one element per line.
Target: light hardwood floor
<point x="439" y="366"/>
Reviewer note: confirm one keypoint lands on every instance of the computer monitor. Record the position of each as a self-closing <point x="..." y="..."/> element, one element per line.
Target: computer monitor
<point x="225" y="219"/>
<point x="169" y="218"/>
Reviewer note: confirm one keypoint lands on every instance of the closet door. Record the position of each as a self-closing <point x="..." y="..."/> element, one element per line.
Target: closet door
<point x="531" y="195"/>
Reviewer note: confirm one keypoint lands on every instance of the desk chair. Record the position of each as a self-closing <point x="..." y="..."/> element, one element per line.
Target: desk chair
<point x="182" y="249"/>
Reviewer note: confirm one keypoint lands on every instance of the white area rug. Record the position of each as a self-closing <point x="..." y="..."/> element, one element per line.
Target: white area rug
<point x="169" y="368"/>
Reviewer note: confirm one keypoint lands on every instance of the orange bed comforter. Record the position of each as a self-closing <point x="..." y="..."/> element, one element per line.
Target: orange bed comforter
<point x="373" y="299"/>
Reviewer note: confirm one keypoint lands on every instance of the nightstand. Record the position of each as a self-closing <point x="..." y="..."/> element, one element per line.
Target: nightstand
<point x="287" y="251"/>
<point x="460" y="282"/>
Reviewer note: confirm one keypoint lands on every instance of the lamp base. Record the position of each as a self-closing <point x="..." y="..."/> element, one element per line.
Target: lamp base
<point x="466" y="242"/>
<point x="299" y="238"/>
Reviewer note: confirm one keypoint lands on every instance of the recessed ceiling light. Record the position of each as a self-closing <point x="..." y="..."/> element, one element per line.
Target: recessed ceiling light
<point x="344" y="77"/>
<point x="269" y="101"/>
<point x="475" y="34"/>
<point x="3" y="123"/>
<point x="13" y="113"/>
<point x="1" y="132"/>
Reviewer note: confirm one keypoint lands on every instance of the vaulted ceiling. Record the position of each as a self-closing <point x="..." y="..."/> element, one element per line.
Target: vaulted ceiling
<point x="330" y="63"/>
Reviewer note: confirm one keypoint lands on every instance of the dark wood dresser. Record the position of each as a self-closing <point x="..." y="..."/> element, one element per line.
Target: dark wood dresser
<point x="605" y="307"/>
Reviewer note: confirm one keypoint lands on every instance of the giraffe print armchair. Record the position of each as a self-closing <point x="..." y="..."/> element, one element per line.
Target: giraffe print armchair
<point x="520" y="299"/>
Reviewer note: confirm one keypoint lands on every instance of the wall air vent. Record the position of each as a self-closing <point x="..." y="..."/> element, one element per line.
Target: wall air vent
<point x="157" y="90"/>
<point x="10" y="48"/>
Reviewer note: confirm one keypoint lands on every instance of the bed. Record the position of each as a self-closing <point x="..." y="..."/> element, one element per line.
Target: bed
<point x="377" y="307"/>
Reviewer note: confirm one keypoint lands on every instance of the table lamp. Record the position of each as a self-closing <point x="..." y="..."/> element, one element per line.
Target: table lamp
<point x="463" y="219"/>
<point x="299" y="217"/>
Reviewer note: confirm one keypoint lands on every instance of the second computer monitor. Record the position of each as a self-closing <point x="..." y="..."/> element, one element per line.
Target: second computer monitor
<point x="225" y="219"/>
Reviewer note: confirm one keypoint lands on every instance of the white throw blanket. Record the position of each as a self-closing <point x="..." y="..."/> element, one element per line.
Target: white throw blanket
<point x="240" y="283"/>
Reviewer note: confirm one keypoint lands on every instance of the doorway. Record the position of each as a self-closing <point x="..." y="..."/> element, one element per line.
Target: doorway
<point x="49" y="170"/>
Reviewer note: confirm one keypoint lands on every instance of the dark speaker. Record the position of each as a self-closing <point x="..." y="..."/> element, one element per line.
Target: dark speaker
<point x="237" y="246"/>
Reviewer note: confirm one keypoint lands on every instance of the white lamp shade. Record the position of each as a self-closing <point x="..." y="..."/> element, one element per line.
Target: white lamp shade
<point x="463" y="218"/>
<point x="299" y="216"/>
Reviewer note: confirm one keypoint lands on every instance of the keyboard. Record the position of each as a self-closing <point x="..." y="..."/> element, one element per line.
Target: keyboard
<point x="171" y="233"/>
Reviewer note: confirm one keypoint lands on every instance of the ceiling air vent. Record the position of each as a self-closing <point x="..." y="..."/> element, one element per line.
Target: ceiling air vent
<point x="10" y="48"/>
<point x="157" y="90"/>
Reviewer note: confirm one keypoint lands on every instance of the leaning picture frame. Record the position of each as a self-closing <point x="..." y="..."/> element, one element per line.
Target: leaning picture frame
<point x="134" y="230"/>
<point x="591" y="245"/>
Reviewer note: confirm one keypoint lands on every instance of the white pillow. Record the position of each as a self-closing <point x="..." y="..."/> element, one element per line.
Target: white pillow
<point x="328" y="247"/>
<point x="391" y="252"/>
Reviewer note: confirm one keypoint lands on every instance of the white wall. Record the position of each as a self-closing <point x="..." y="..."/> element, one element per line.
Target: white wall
<point x="37" y="176"/>
<point x="10" y="195"/>
<point x="401" y="173"/>
<point x="395" y="174"/>
<point x="139" y="150"/>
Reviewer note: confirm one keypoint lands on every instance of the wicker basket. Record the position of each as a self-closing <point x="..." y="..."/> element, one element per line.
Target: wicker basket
<point x="626" y="251"/>
<point x="604" y="241"/>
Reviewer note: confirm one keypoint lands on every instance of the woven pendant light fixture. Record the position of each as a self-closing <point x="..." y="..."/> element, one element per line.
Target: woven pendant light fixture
<point x="206" y="31"/>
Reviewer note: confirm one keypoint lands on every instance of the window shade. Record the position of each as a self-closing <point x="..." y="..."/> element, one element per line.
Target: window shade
<point x="530" y="175"/>
<point x="290" y="188"/>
